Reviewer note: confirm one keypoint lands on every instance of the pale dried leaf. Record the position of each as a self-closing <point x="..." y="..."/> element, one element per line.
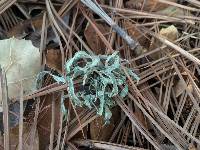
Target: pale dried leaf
<point x="21" y="61"/>
<point x="170" y="33"/>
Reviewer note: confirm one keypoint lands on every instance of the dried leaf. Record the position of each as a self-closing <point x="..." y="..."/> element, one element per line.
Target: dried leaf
<point x="14" y="134"/>
<point x="45" y="119"/>
<point x="25" y="27"/>
<point x="94" y="40"/>
<point x="21" y="61"/>
<point x="180" y="88"/>
<point x="54" y="61"/>
<point x="148" y="5"/>
<point x="170" y="33"/>
<point x="101" y="131"/>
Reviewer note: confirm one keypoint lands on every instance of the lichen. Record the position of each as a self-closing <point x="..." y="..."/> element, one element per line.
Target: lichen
<point x="102" y="79"/>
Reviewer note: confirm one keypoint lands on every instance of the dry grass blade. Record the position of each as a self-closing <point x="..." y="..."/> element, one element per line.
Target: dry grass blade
<point x="87" y="118"/>
<point x="98" y="10"/>
<point x="21" y="119"/>
<point x="180" y="6"/>
<point x="5" y="4"/>
<point x="4" y="100"/>
<point x="104" y="145"/>
<point x="52" y="123"/>
<point x="137" y="124"/>
<point x="179" y="49"/>
<point x="60" y="127"/>
<point x="34" y="126"/>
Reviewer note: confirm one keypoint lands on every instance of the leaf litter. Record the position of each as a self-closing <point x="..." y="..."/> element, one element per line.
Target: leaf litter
<point x="110" y="74"/>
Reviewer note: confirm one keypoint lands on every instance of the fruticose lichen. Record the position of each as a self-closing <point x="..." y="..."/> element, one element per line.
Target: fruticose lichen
<point x="101" y="79"/>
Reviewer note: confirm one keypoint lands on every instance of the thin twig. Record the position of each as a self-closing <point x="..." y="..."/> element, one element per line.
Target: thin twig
<point x="52" y="122"/>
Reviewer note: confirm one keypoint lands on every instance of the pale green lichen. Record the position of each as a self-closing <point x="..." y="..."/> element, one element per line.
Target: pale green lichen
<point x="102" y="79"/>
